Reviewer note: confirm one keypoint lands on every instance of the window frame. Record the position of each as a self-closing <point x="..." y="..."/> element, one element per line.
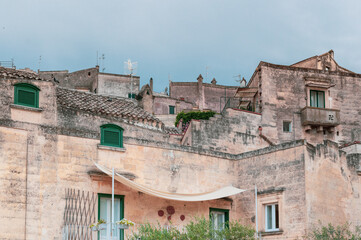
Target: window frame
<point x="290" y="126"/>
<point x="273" y="218"/>
<point x="26" y="87"/>
<point x="131" y="95"/>
<point x="173" y="109"/>
<point x="317" y="92"/>
<point x="111" y="128"/>
<point x="121" y="197"/>
<point x="226" y="215"/>
<point x="268" y="198"/>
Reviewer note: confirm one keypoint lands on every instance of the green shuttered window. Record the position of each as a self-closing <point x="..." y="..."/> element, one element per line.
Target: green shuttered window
<point x="26" y="94"/>
<point x="171" y="109"/>
<point x="111" y="135"/>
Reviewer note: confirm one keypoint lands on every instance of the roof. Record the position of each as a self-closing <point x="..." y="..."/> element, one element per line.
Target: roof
<point x="104" y="105"/>
<point x="13" y="73"/>
<point x="172" y="130"/>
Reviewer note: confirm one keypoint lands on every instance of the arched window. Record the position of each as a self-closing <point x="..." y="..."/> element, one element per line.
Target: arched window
<point x="26" y="94"/>
<point x="111" y="135"/>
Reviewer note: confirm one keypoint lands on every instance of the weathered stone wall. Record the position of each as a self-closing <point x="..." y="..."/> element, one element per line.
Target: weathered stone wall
<point x="202" y="95"/>
<point x="234" y="132"/>
<point x="284" y="94"/>
<point x="280" y="170"/>
<point x="161" y="105"/>
<point x="117" y="85"/>
<point x="85" y="79"/>
<point x="333" y="186"/>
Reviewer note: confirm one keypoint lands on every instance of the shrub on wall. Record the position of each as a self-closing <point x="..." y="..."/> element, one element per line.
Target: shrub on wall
<point x="331" y="232"/>
<point x="187" y="117"/>
<point x="198" y="229"/>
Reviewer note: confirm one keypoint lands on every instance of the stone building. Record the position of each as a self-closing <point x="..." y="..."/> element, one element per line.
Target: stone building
<point x="91" y="80"/>
<point x="306" y="166"/>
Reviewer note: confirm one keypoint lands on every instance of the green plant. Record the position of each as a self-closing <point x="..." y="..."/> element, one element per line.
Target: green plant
<point x="187" y="117"/>
<point x="331" y="232"/>
<point x="100" y="221"/>
<point x="196" y="229"/>
<point x="150" y="232"/>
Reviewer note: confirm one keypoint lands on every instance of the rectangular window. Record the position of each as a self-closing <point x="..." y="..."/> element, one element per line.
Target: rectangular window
<point x="287" y="126"/>
<point x="131" y="95"/>
<point x="112" y="138"/>
<point x="271" y="217"/>
<point x="105" y="213"/>
<point x="171" y="110"/>
<point x="219" y="218"/>
<point x="317" y="99"/>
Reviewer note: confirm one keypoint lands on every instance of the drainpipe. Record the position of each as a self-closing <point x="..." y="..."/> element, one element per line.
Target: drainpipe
<point x="26" y="183"/>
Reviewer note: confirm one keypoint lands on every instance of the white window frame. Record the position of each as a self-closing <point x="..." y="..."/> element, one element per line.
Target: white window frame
<point x="273" y="218"/>
<point x="289" y="127"/>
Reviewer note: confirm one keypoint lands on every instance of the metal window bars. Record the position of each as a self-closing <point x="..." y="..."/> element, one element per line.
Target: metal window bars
<point x="79" y="214"/>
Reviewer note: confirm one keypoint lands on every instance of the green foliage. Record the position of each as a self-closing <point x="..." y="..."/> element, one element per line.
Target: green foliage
<point x="197" y="229"/>
<point x="237" y="231"/>
<point x="187" y="117"/>
<point x="150" y="232"/>
<point x="331" y="232"/>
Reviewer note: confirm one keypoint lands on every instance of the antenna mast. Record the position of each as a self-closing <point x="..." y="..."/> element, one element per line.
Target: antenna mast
<point x="131" y="66"/>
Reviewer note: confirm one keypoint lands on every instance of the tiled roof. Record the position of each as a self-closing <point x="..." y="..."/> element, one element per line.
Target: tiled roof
<point x="13" y="73"/>
<point x="172" y="130"/>
<point x="103" y="105"/>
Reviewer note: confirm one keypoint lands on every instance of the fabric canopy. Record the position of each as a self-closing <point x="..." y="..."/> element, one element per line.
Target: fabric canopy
<point x="220" y="193"/>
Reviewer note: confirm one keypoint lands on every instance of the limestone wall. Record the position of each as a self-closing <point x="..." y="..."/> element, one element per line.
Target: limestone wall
<point x="284" y="94"/>
<point x="234" y="132"/>
<point x="333" y="186"/>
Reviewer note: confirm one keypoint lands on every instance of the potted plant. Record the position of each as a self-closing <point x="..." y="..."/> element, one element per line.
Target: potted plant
<point x="100" y="225"/>
<point x="124" y="224"/>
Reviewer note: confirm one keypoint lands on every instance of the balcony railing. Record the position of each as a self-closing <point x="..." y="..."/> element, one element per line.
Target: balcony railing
<point x="326" y="117"/>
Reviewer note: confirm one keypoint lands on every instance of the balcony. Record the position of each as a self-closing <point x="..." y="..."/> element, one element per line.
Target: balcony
<point x="325" y="117"/>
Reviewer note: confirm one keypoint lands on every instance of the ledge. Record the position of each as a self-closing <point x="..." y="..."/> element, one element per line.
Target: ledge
<point x="279" y="232"/>
<point x="26" y="108"/>
<point x="111" y="148"/>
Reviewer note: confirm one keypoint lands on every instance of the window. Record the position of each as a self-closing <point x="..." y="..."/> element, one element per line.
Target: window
<point x="171" y="109"/>
<point x="26" y="94"/>
<point x="287" y="126"/>
<point x="111" y="135"/>
<point x="105" y="213"/>
<point x="219" y="218"/>
<point x="317" y="99"/>
<point x="131" y="95"/>
<point x="271" y="218"/>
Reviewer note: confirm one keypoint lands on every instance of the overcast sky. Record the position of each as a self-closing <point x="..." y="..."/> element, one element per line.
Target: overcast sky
<point x="178" y="39"/>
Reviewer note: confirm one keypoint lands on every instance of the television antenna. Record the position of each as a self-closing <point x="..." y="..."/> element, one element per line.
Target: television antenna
<point x="130" y="69"/>
<point x="242" y="81"/>
<point x="101" y="62"/>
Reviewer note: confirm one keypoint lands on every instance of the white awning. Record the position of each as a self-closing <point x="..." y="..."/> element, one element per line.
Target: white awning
<point x="217" y="194"/>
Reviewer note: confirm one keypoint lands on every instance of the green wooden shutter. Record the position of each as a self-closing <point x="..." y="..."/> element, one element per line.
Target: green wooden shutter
<point x="26" y="97"/>
<point x="112" y="138"/>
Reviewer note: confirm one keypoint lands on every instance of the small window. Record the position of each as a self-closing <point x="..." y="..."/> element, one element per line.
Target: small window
<point x="317" y="99"/>
<point x="287" y="126"/>
<point x="26" y="94"/>
<point x="131" y="95"/>
<point x="271" y="218"/>
<point x="219" y="218"/>
<point x="111" y="135"/>
<point x="171" y="110"/>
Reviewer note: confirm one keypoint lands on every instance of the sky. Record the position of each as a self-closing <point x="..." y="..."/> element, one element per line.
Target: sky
<point x="178" y="40"/>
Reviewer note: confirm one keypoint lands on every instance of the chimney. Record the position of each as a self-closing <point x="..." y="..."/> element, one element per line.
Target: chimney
<point x="151" y="84"/>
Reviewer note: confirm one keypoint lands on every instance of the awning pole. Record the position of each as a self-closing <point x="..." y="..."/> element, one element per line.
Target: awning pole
<point x="112" y="226"/>
<point x="255" y="194"/>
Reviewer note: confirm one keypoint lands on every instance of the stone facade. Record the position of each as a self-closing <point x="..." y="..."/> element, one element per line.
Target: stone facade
<point x="46" y="150"/>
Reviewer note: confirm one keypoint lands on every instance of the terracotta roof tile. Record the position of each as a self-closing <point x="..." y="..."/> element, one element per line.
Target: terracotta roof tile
<point x="104" y="105"/>
<point x="13" y="73"/>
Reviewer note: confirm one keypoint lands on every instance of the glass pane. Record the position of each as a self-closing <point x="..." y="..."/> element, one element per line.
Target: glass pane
<point x="277" y="217"/>
<point x="104" y="215"/>
<point x="321" y="98"/>
<point x="25" y="97"/>
<point x="313" y="96"/>
<point x="269" y="217"/>
<point x="111" y="138"/>
<point x="220" y="221"/>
